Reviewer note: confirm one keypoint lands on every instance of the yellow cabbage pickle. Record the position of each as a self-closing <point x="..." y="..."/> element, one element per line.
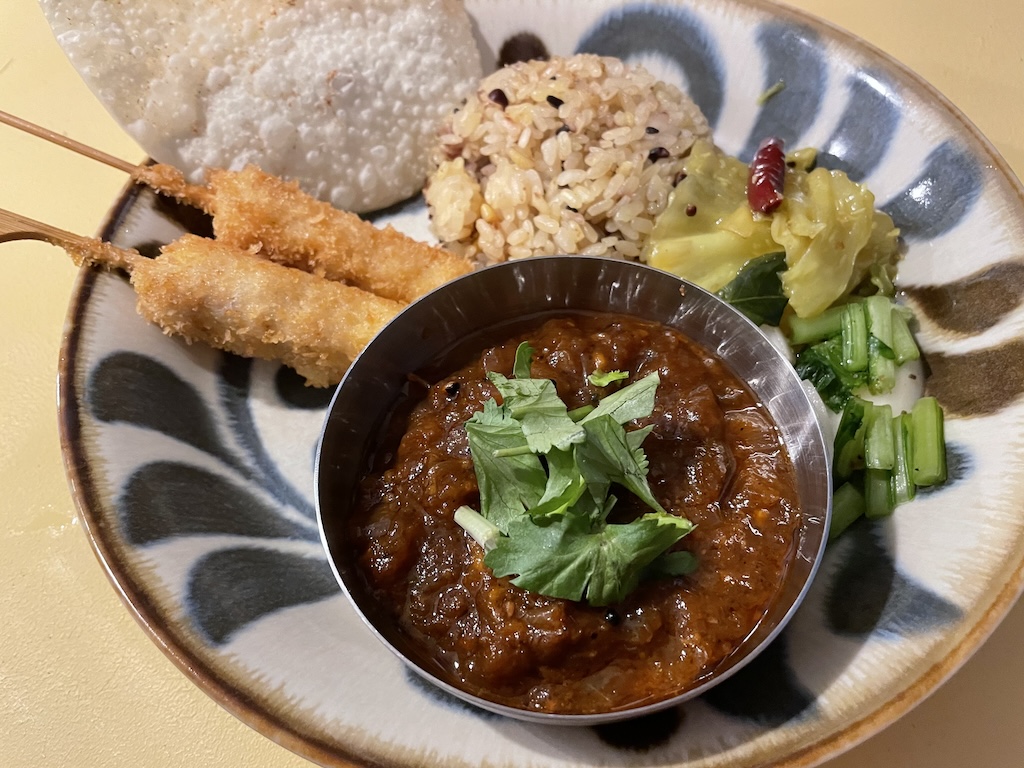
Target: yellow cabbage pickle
<point x="827" y="225"/>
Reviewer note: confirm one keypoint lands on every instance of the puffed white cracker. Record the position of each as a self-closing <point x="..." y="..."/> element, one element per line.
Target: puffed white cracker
<point x="344" y="96"/>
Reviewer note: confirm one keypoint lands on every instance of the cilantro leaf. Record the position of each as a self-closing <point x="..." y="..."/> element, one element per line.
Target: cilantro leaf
<point x="678" y="563"/>
<point x="601" y="378"/>
<point x="545" y="482"/>
<point x="535" y="403"/>
<point x="607" y="456"/>
<point x="635" y="439"/>
<point x="634" y="401"/>
<point x="524" y="358"/>
<point x="508" y="485"/>
<point x="566" y="559"/>
<point x="565" y="485"/>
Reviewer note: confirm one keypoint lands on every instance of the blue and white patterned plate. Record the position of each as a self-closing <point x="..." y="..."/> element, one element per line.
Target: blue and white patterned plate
<point x="193" y="469"/>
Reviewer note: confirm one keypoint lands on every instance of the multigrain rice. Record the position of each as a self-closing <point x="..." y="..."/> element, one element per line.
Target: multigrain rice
<point x="571" y="155"/>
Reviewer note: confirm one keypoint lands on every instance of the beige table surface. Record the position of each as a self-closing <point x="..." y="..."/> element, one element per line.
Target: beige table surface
<point x="82" y="685"/>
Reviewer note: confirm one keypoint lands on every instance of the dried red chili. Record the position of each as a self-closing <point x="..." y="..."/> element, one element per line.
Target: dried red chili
<point x="767" y="173"/>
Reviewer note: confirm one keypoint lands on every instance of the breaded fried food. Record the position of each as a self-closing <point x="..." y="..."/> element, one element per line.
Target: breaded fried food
<point x="208" y="292"/>
<point x="274" y="218"/>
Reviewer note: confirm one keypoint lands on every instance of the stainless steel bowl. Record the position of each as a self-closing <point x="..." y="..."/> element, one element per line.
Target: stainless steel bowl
<point x="501" y="295"/>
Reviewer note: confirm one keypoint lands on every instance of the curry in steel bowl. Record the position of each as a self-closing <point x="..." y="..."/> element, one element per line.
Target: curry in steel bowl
<point x="751" y="479"/>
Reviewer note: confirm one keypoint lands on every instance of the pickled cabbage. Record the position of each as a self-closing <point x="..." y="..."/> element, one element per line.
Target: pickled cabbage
<point x="833" y="237"/>
<point x="708" y="232"/>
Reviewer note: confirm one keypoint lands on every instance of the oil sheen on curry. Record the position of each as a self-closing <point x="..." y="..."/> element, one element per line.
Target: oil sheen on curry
<point x="715" y="458"/>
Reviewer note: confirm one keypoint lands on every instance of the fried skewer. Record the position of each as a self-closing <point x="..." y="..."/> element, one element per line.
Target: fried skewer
<point x="209" y="292"/>
<point x="265" y="215"/>
<point x="259" y="212"/>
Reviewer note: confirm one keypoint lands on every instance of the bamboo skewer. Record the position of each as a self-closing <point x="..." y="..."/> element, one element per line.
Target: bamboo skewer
<point x="14" y="226"/>
<point x="268" y="216"/>
<point x="64" y="141"/>
<point x="221" y="291"/>
<point x="205" y="291"/>
<point x="163" y="179"/>
<point x="209" y="291"/>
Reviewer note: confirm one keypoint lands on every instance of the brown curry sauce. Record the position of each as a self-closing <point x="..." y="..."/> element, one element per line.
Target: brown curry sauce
<point x="715" y="457"/>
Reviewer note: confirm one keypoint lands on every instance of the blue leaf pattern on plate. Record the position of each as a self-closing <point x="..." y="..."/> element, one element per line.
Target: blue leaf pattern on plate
<point x="869" y="594"/>
<point x="230" y="588"/>
<point x="673" y="33"/>
<point x="164" y="499"/>
<point x="793" y="56"/>
<point x="234" y="393"/>
<point x="866" y="128"/>
<point x="947" y="188"/>
<point x="134" y="389"/>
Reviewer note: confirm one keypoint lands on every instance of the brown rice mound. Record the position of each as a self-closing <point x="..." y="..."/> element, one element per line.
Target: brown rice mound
<point x="573" y="155"/>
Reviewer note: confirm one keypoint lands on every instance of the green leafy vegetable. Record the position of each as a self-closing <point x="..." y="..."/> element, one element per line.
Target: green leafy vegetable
<point x="608" y="455"/>
<point x="513" y="483"/>
<point x="903" y="345"/>
<point x="756" y="291"/>
<point x="928" y="442"/>
<point x="881" y="358"/>
<point x="847" y="507"/>
<point x="807" y="330"/>
<point x="545" y="491"/>
<point x="603" y="379"/>
<point x="876" y="462"/>
<point x="535" y="404"/>
<point x="855" y="337"/>
<point x="564" y="487"/>
<point x="524" y="358"/>
<point x="635" y="401"/>
<point x="677" y="563"/>
<point x="822" y="365"/>
<point x="568" y="559"/>
<point x="576" y="414"/>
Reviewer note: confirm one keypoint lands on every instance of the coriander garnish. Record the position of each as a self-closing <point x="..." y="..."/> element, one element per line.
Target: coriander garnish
<point x="545" y="482"/>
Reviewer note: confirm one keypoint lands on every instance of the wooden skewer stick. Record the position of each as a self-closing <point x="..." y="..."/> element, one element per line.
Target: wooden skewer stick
<point x="13" y="226"/>
<point x="163" y="179"/>
<point x="64" y="141"/>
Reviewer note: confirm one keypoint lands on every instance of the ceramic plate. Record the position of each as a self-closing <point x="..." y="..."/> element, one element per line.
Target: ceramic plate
<point x="193" y="469"/>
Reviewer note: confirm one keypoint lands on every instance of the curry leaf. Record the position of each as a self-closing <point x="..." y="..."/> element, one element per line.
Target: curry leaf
<point x="756" y="291"/>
